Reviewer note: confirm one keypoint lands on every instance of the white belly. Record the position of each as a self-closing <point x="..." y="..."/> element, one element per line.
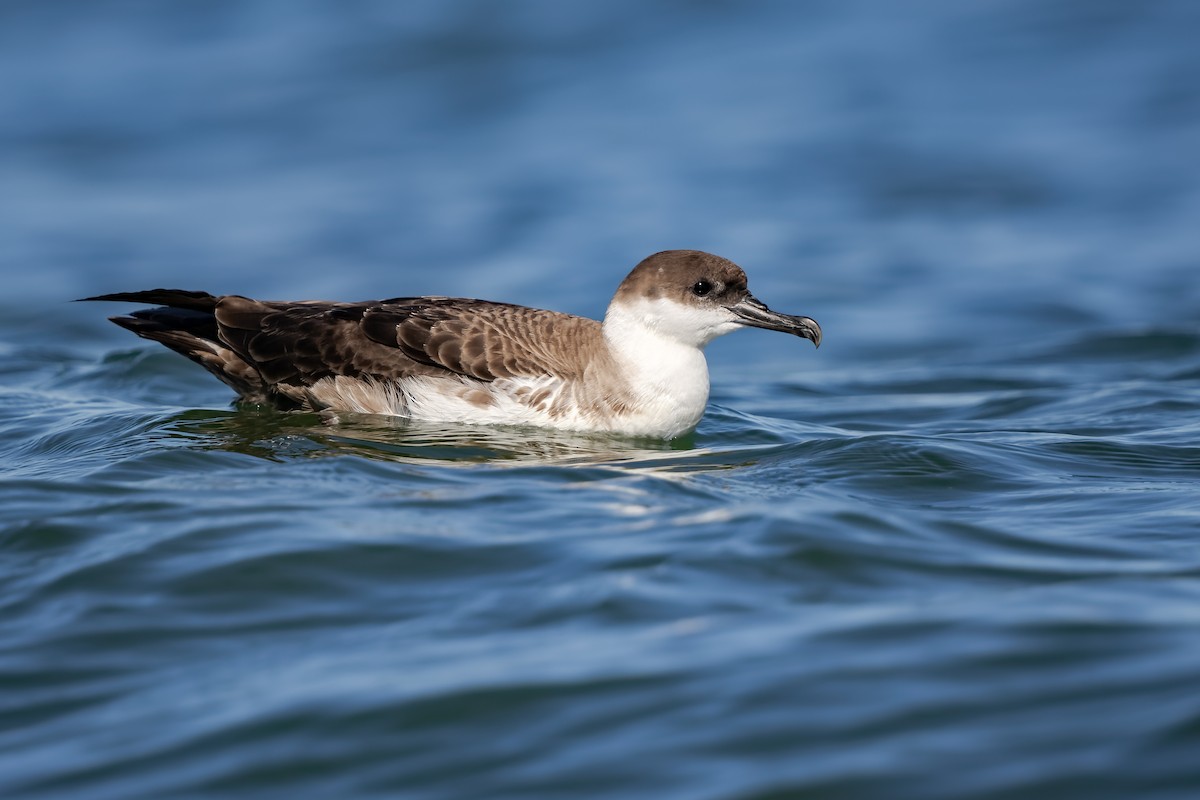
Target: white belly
<point x="662" y="409"/>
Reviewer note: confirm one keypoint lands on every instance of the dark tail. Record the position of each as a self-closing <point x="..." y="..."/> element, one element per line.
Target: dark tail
<point x="186" y="323"/>
<point x="182" y="318"/>
<point x="172" y="298"/>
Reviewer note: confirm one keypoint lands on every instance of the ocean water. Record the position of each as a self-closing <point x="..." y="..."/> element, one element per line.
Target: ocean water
<point x="953" y="553"/>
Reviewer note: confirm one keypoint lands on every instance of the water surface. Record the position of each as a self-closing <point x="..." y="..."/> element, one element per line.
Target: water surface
<point x="950" y="554"/>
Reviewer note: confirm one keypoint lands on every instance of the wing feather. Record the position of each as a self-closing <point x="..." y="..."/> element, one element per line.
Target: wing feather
<point x="280" y="349"/>
<point x="483" y="340"/>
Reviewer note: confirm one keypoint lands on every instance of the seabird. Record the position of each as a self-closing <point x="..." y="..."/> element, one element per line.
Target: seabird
<point x="641" y="371"/>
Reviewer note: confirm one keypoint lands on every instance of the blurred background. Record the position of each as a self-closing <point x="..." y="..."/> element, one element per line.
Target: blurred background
<point x="922" y="159"/>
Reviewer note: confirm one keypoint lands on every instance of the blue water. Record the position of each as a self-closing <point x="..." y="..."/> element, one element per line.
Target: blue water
<point x="953" y="553"/>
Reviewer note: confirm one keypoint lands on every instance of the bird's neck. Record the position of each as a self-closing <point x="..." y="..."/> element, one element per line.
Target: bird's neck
<point x="666" y="375"/>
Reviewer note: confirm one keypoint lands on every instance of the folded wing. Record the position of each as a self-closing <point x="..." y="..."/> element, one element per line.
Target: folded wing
<point x="274" y="351"/>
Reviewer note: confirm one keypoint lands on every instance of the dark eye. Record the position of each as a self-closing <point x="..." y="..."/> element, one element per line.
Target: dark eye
<point x="701" y="288"/>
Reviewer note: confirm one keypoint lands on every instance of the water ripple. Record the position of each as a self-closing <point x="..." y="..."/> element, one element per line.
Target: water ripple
<point x="950" y="554"/>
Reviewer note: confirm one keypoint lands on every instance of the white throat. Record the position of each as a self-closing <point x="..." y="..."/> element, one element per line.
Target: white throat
<point x="659" y="347"/>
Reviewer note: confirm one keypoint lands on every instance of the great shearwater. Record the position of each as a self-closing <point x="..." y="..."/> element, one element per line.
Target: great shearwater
<point x="641" y="371"/>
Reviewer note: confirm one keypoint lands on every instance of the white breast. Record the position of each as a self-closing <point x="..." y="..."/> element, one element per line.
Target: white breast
<point x="659" y="347"/>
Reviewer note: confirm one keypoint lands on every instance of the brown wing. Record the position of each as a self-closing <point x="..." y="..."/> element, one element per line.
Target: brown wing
<point x="273" y="350"/>
<point x="298" y="344"/>
<point x="480" y="339"/>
